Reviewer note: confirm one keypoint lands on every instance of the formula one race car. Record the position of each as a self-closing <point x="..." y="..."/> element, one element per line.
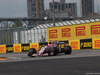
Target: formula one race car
<point x="52" y="50"/>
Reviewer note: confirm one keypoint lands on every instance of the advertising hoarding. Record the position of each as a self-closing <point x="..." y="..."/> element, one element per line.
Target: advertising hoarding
<point x="2" y="48"/>
<point x="17" y="48"/>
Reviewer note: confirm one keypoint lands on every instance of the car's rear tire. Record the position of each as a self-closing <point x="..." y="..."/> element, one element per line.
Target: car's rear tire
<point x="53" y="51"/>
<point x="31" y="52"/>
<point x="67" y="50"/>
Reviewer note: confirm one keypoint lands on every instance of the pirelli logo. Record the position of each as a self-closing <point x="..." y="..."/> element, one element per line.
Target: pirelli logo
<point x="2" y="49"/>
<point x="33" y="46"/>
<point x="80" y="31"/>
<point x="66" y="32"/>
<point x="95" y="29"/>
<point x="17" y="48"/>
<point x="74" y="45"/>
<point x="25" y="48"/>
<point x="97" y="43"/>
<point x="9" y="49"/>
<point x="86" y="43"/>
<point x="53" y="34"/>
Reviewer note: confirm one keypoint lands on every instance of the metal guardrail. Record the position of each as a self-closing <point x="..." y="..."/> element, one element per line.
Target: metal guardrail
<point x="34" y="34"/>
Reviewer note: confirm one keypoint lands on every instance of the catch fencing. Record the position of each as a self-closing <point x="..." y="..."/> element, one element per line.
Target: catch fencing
<point x="33" y="34"/>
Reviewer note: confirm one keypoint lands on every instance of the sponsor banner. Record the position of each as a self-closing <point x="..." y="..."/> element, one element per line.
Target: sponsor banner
<point x="66" y="33"/>
<point x="2" y="48"/>
<point x="25" y="47"/>
<point x="63" y="43"/>
<point x="17" y="48"/>
<point x="43" y="44"/>
<point x="95" y="31"/>
<point x="86" y="44"/>
<point x="75" y="44"/>
<point x="34" y="45"/>
<point x="82" y="31"/>
<point x="96" y="43"/>
<point x="9" y="48"/>
<point x="53" y="33"/>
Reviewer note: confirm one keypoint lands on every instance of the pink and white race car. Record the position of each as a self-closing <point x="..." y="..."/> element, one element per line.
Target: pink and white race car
<point x="52" y="50"/>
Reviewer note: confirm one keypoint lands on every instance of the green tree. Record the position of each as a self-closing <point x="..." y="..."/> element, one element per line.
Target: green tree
<point x="17" y="23"/>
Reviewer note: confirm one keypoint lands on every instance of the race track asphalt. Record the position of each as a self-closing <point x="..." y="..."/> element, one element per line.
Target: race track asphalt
<point x="78" y="63"/>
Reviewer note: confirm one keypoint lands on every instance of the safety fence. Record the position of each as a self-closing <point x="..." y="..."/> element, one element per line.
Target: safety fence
<point x="35" y="33"/>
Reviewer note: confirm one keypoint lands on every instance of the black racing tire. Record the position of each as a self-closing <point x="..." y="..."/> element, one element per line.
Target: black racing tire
<point x="53" y="50"/>
<point x="31" y="52"/>
<point x="67" y="50"/>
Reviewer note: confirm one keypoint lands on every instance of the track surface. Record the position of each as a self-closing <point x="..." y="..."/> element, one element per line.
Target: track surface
<point x="84" y="62"/>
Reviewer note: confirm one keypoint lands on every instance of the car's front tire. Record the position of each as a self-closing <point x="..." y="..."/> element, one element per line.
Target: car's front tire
<point x="31" y="52"/>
